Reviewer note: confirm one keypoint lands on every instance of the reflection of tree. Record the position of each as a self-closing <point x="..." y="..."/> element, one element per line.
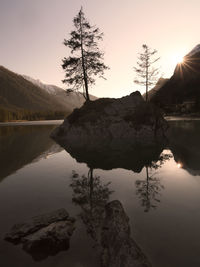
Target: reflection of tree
<point x="91" y="195"/>
<point x="148" y="190"/>
<point x="161" y="160"/>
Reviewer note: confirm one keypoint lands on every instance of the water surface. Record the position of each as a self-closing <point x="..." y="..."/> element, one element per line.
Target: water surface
<point x="159" y="190"/>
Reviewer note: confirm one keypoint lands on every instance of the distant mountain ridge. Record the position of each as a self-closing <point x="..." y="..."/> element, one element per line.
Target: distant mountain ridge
<point x="51" y="89"/>
<point x="70" y="100"/>
<point x="25" y="95"/>
<point x="18" y="93"/>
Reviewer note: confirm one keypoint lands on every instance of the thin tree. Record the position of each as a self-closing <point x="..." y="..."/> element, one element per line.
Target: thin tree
<point x="86" y="60"/>
<point x="147" y="74"/>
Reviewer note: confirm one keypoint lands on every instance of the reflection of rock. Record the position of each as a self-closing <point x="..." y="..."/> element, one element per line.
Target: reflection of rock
<point x="185" y="145"/>
<point x="107" y="158"/>
<point x="44" y="235"/>
<point x="119" y="249"/>
<point x="107" y="223"/>
<point x="115" y="122"/>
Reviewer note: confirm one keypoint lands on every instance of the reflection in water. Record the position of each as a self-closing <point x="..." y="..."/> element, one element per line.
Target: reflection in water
<point x="106" y="222"/>
<point x="183" y="142"/>
<point x="185" y="145"/>
<point x="91" y="195"/>
<point x="118" y="248"/>
<point x="20" y="145"/>
<point x="179" y="203"/>
<point x="130" y="158"/>
<point x="135" y="159"/>
<point x="149" y="190"/>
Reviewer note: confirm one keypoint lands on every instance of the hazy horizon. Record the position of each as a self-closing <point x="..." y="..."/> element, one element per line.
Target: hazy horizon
<point x="33" y="32"/>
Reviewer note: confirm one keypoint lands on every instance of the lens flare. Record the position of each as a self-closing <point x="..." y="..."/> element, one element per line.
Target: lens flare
<point x="179" y="165"/>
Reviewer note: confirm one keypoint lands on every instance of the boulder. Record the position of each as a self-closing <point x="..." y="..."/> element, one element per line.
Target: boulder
<point x="126" y="121"/>
<point x="119" y="249"/>
<point x="44" y="235"/>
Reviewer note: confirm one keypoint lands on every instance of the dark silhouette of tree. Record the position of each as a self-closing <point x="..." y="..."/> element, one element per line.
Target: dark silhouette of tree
<point x="147" y="74"/>
<point x="92" y="196"/>
<point x="86" y="60"/>
<point x="162" y="159"/>
<point x="149" y="190"/>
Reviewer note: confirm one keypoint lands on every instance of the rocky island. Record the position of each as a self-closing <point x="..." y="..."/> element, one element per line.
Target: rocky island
<point x="122" y="122"/>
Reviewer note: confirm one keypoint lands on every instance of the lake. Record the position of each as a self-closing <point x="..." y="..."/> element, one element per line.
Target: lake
<point x="159" y="190"/>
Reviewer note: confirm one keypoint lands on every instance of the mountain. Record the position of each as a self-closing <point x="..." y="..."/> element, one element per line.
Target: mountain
<point x="154" y="90"/>
<point x="18" y="93"/>
<point x="51" y="89"/>
<point x="22" y="97"/>
<point x="67" y="98"/>
<point x="184" y="85"/>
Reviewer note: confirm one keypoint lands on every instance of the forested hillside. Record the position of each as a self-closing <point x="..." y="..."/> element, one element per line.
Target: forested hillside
<point x="21" y="99"/>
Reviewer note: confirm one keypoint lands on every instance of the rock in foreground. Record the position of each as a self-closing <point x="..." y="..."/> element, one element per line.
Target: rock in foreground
<point x="44" y="235"/>
<point x="113" y="121"/>
<point x="119" y="249"/>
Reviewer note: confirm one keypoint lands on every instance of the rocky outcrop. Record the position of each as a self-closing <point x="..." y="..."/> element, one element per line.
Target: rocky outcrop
<point x="119" y="249"/>
<point x="126" y="121"/>
<point x="44" y="235"/>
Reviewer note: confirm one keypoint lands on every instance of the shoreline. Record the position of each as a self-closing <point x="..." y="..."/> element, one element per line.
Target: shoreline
<point x="26" y="123"/>
<point x="57" y="122"/>
<point x="181" y="118"/>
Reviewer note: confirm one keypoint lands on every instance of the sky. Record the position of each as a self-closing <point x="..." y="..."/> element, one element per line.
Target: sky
<point x="32" y="34"/>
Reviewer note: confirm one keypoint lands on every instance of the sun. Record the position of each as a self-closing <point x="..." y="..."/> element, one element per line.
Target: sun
<point x="176" y="59"/>
<point x="179" y="59"/>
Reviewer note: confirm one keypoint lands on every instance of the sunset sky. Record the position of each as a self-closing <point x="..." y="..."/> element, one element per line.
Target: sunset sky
<point x="32" y="33"/>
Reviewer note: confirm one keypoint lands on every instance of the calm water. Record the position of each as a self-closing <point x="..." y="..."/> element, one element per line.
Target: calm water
<point x="159" y="190"/>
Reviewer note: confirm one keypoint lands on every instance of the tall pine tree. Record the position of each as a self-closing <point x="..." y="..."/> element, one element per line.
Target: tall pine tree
<point x="146" y="73"/>
<point x="86" y="59"/>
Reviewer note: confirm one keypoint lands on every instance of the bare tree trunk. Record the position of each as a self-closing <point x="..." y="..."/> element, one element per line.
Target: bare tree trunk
<point x="83" y="62"/>
<point x="91" y="182"/>
<point x="147" y="62"/>
<point x="147" y="192"/>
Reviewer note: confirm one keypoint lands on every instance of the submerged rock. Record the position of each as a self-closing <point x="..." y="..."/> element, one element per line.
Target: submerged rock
<point x="126" y="121"/>
<point x="119" y="249"/>
<point x="44" y="235"/>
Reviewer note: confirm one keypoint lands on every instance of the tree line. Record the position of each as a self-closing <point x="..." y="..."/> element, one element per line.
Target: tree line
<point x="8" y="115"/>
<point x="86" y="59"/>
